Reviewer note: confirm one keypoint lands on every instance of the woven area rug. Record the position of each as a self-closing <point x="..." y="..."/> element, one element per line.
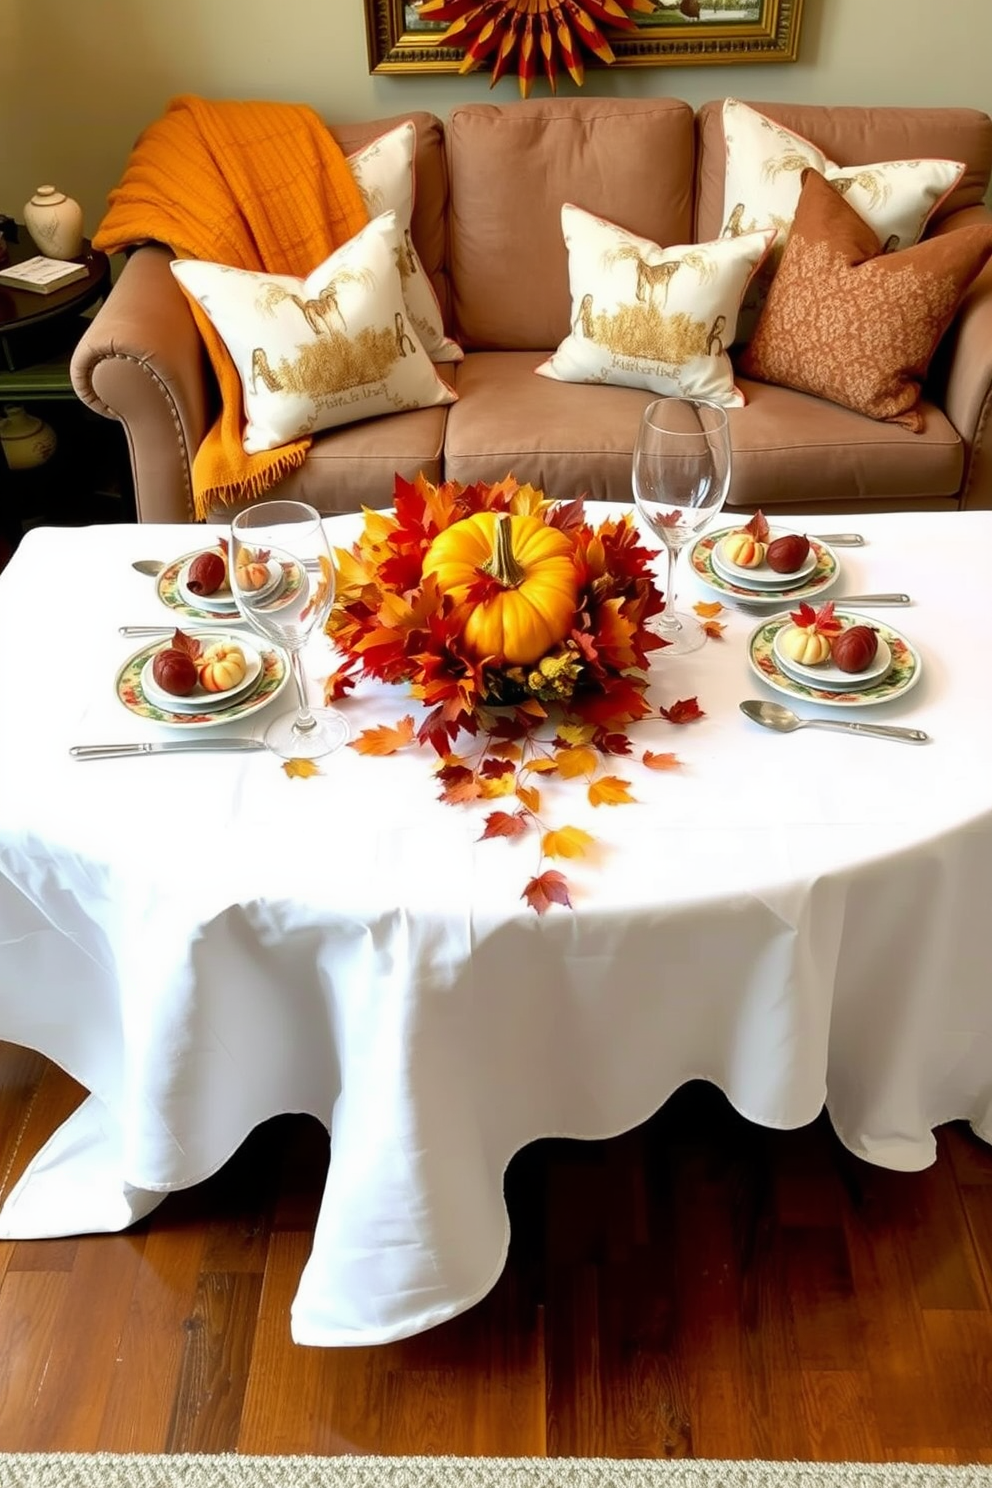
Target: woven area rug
<point x="109" y="1470"/>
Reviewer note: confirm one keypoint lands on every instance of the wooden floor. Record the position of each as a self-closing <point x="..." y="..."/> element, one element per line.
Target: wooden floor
<point x="699" y="1287"/>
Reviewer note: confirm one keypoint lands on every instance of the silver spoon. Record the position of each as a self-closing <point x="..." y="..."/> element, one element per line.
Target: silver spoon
<point x="784" y="721"/>
<point x="149" y="566"/>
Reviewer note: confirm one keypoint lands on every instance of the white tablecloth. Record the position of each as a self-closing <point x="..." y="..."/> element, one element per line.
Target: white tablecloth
<point x="204" y="943"/>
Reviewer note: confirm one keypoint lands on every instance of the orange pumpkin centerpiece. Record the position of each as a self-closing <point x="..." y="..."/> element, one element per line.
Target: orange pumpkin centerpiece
<point x="530" y="605"/>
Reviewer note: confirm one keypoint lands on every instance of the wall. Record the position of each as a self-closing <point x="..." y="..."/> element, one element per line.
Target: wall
<point x="79" y="81"/>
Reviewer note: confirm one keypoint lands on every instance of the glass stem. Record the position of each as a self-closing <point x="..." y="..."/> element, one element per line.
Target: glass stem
<point x="304" y="721"/>
<point x="668" y="619"/>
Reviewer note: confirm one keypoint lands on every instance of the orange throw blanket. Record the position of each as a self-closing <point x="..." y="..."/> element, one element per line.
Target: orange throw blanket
<point x="260" y="186"/>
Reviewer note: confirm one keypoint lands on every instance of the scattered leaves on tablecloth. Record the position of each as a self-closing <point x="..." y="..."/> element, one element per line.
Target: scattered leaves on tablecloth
<point x="660" y="761"/>
<point x="546" y="889"/>
<point x="505" y="824"/>
<point x="566" y="842"/>
<point x="610" y="790"/>
<point x="301" y="769"/>
<point x="384" y="740"/>
<point x="707" y="609"/>
<point x="686" y="710"/>
<point x="714" y="629"/>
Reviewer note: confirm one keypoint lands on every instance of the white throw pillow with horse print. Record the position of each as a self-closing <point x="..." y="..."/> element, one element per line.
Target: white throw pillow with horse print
<point x="383" y="171"/>
<point x="649" y="317"/>
<point x="323" y="351"/>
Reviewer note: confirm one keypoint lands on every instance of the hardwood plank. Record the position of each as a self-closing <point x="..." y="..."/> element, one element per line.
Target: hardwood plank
<point x="838" y="1429"/>
<point x="216" y="1364"/>
<point x="146" y="1382"/>
<point x="30" y="1302"/>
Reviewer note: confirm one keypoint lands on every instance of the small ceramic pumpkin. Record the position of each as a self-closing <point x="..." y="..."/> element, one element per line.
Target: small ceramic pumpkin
<point x="535" y="605"/>
<point x="222" y="667"/>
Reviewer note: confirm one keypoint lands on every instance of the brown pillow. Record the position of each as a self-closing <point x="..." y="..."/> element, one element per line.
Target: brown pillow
<point x="845" y="321"/>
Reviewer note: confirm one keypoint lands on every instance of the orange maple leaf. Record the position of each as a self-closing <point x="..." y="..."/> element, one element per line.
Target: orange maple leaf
<point x="714" y="629"/>
<point x="548" y="888"/>
<point x="530" y="797"/>
<point x="609" y="790"/>
<point x="686" y="710"/>
<point x="384" y="740"/>
<point x="707" y="611"/>
<point x="505" y="824"/>
<point x="660" y="761"/>
<point x="573" y="762"/>
<point x="301" y="769"/>
<point x="566" y="842"/>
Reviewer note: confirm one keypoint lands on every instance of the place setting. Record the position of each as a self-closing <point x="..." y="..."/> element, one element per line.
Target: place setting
<point x="759" y="565"/>
<point x="837" y="657"/>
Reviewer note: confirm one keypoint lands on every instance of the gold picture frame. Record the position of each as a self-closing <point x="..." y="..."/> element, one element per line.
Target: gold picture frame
<point x="745" y="31"/>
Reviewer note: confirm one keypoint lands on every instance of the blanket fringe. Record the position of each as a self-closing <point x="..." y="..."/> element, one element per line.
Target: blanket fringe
<point x="250" y="487"/>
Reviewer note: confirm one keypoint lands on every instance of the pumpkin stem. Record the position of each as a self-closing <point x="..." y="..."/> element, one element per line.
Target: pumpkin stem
<point x="502" y="566"/>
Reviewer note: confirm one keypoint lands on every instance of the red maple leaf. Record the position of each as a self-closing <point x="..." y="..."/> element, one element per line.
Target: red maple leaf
<point x="505" y="824"/>
<point x="686" y="710"/>
<point x="548" y="888"/>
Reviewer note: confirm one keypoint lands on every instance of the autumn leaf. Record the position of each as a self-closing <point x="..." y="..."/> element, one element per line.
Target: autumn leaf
<point x="530" y="797"/>
<point x="575" y="733"/>
<point x="384" y="740"/>
<point x="758" y="527"/>
<point x="493" y="786"/>
<point x="541" y="766"/>
<point x="465" y="788"/>
<point x="337" y="685"/>
<point x="714" y="629"/>
<point x="573" y="762"/>
<point x="660" y="761"/>
<point x="686" y="710"/>
<point x="706" y="610"/>
<point x="548" y="888"/>
<point x="505" y="749"/>
<point x="669" y="519"/>
<point x="609" y="790"/>
<point x="493" y="768"/>
<point x="505" y="824"/>
<point x="301" y="769"/>
<point x="566" y="842"/>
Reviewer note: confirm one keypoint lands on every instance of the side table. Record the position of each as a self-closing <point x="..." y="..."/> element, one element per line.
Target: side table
<point x="38" y="334"/>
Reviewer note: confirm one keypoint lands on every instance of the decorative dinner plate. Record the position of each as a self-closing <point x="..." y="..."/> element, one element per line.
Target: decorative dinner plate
<point x="223" y="599"/>
<point x="904" y="670"/>
<point x="206" y="606"/>
<point x="763" y="576"/>
<point x="823" y="575"/>
<point x="200" y="700"/>
<point x="272" y="677"/>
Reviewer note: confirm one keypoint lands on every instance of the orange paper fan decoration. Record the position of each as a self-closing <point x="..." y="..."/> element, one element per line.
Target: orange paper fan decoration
<point x="533" y="31"/>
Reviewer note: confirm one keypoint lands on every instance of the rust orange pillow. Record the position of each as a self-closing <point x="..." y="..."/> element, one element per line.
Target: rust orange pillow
<point x="848" y="322"/>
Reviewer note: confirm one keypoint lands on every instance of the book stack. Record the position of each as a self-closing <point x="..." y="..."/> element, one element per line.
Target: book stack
<point x="41" y="275"/>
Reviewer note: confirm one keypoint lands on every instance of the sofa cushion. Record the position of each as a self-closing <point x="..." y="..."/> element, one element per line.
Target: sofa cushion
<point x="848" y="321"/>
<point x="511" y="167"/>
<point x="791" y="450"/>
<point x="651" y="317"/>
<point x="848" y="136"/>
<point x="384" y="172"/>
<point x="795" y="452"/>
<point x="323" y="351"/>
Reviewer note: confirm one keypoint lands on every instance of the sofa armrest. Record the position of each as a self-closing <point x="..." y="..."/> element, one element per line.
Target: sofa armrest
<point x="142" y="361"/>
<point x="961" y="376"/>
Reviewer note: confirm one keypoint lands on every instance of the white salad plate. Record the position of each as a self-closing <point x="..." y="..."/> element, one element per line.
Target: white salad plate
<point x="762" y="576"/>
<point x="821" y="577"/>
<point x="200" y="700"/>
<point x="830" y="676"/>
<point x="223" y="599"/>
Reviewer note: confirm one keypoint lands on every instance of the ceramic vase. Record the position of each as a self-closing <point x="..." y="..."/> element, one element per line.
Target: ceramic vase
<point x="55" y="223"/>
<point x="26" y="439"/>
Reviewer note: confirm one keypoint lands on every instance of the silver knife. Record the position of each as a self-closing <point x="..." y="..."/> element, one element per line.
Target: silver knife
<point x="873" y="599"/>
<point x="167" y="746"/>
<point x="190" y="625"/>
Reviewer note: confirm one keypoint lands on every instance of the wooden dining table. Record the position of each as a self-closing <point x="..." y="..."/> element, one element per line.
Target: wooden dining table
<point x="204" y="942"/>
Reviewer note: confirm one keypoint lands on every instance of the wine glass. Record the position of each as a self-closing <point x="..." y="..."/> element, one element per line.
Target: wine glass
<point x="680" y="476"/>
<point x="287" y="608"/>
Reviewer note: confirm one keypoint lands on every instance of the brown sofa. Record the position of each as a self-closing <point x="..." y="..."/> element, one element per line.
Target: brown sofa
<point x="490" y="182"/>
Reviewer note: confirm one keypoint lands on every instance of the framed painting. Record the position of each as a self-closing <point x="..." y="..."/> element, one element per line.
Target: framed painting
<point x="713" y="31"/>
